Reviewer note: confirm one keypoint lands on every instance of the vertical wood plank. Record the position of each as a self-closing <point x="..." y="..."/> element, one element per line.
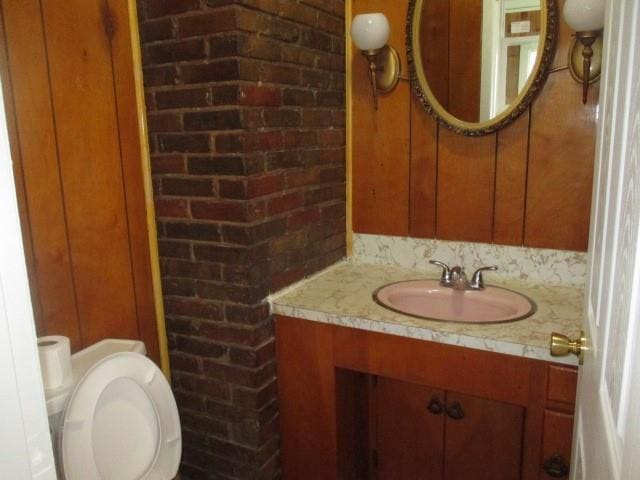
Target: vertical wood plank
<point x="18" y="173"/>
<point x="87" y="131"/>
<point x="560" y="166"/>
<point x="511" y="180"/>
<point x="39" y="156"/>
<point x="424" y="171"/>
<point x="561" y="156"/>
<point x="466" y="168"/>
<point x="307" y="408"/>
<point x="131" y="157"/>
<point x="381" y="138"/>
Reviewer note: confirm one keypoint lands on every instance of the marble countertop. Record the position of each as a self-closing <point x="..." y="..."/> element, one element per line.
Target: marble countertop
<point x="342" y="295"/>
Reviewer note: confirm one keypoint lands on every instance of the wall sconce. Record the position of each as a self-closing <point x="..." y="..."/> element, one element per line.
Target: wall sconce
<point x="586" y="17"/>
<point x="370" y="33"/>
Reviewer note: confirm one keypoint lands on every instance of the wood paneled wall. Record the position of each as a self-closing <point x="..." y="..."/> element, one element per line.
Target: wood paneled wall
<point x="529" y="184"/>
<point x="69" y="84"/>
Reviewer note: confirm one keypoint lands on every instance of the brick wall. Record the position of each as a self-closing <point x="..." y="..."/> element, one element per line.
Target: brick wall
<point x="245" y="103"/>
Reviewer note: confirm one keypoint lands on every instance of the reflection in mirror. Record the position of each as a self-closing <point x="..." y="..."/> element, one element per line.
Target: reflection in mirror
<point x="477" y="59"/>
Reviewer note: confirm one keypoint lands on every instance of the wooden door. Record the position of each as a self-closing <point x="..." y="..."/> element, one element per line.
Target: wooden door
<point x="77" y="108"/>
<point x="409" y="430"/>
<point x="483" y="439"/>
<point x="608" y="408"/>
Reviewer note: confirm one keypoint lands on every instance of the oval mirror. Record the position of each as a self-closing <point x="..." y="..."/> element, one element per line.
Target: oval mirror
<point x="477" y="64"/>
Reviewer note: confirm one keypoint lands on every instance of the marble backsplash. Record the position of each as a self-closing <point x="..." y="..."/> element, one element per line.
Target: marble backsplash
<point x="551" y="267"/>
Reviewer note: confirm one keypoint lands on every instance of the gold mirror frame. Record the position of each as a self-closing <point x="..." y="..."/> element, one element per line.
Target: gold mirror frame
<point x="548" y="35"/>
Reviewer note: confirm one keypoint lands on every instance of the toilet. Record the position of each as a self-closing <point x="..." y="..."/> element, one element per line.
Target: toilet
<point x="116" y="418"/>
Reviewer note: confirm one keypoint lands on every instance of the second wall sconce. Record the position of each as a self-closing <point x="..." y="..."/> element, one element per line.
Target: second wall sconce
<point x="586" y="17"/>
<point x="370" y="33"/>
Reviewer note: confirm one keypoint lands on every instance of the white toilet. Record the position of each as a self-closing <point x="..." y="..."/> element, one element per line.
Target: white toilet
<point x="116" y="419"/>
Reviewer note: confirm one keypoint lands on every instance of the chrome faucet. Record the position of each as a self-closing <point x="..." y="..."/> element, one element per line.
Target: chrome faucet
<point x="456" y="278"/>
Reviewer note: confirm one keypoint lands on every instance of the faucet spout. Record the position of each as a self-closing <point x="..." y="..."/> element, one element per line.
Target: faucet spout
<point x="459" y="279"/>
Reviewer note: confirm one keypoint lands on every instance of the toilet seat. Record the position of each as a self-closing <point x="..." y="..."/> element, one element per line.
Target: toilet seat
<point x="121" y="423"/>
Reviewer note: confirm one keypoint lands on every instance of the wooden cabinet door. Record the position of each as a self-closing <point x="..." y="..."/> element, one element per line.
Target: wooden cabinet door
<point x="409" y="437"/>
<point x="556" y="445"/>
<point x="483" y="439"/>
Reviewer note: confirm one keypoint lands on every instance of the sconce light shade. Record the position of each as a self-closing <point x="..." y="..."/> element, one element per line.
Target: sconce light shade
<point x="370" y="31"/>
<point x="584" y="15"/>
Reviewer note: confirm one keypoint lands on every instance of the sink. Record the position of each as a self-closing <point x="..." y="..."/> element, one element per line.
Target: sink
<point x="429" y="300"/>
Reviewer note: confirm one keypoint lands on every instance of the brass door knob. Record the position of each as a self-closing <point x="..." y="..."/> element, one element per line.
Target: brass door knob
<point x="562" y="345"/>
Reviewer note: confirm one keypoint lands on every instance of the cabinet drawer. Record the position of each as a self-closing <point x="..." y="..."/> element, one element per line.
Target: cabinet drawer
<point x="562" y="384"/>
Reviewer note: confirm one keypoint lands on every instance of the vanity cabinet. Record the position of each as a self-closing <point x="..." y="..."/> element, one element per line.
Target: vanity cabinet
<point x="356" y="404"/>
<point x="422" y="432"/>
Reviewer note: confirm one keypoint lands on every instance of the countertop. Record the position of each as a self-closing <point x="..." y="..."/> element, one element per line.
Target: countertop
<point x="342" y="295"/>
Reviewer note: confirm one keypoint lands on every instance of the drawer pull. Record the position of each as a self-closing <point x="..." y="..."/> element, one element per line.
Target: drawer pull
<point x="455" y="412"/>
<point x="435" y="406"/>
<point x="555" y="466"/>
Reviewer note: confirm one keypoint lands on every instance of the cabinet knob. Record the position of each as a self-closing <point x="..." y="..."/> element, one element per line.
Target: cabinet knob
<point x="435" y="406"/>
<point x="555" y="466"/>
<point x="455" y="412"/>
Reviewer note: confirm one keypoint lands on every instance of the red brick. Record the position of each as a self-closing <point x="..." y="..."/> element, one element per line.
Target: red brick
<point x="306" y="217"/>
<point x="206" y="23"/>
<point x="171" y="207"/>
<point x="217" y="71"/>
<point x="331" y="137"/>
<point x="187" y="187"/>
<point x="183" y="98"/>
<point x="185" y="363"/>
<point x="194" y="308"/>
<point x="161" y="164"/>
<point x="259" y="95"/>
<point x="164" y="122"/>
<point x="155" y="76"/>
<point x="236" y="334"/>
<point x="157" y="8"/>
<point x="155" y="30"/>
<point x="300" y="139"/>
<point x="170" y="52"/>
<point x="253" y="357"/>
<point x="187" y="143"/>
<point x="264" y="185"/>
<point x="218" y="210"/>
<point x="173" y="249"/>
<point x="193" y="231"/>
<point x="284" y="203"/>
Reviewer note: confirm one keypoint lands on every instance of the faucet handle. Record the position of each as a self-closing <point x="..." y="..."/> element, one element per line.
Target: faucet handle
<point x="445" y="278"/>
<point x="477" y="283"/>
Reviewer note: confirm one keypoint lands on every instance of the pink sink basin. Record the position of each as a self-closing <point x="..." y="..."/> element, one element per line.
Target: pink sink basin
<point x="428" y="299"/>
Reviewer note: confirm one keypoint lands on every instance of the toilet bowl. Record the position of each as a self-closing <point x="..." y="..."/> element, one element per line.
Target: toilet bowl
<point x="116" y="419"/>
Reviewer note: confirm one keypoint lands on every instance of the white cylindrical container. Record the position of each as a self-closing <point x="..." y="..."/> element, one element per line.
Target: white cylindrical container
<point x="55" y="361"/>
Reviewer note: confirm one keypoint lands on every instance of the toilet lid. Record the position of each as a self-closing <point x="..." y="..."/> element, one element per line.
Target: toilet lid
<point x="121" y="423"/>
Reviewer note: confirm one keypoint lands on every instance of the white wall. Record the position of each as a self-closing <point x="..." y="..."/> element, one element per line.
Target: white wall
<point x="25" y="444"/>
